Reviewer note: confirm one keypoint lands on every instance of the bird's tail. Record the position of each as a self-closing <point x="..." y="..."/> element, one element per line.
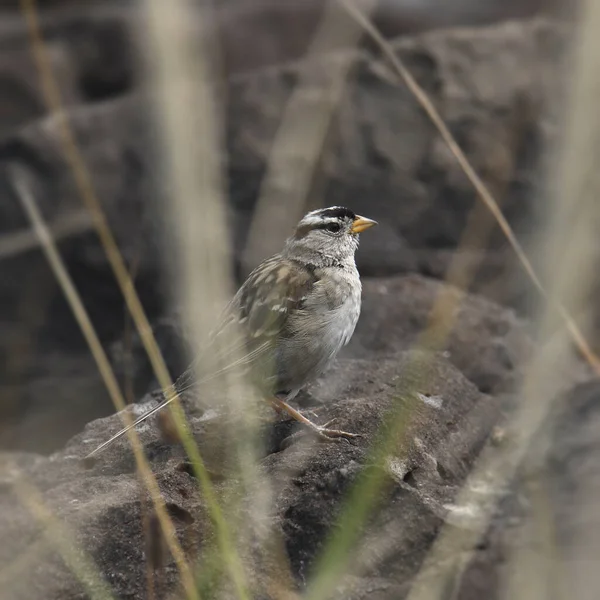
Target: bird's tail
<point x="139" y="420"/>
<point x="184" y="382"/>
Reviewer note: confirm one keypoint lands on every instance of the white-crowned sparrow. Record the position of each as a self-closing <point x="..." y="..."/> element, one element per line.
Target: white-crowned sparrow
<point x="296" y="310"/>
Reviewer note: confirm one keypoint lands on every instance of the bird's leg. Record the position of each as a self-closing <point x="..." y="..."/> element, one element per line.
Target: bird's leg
<point x="328" y="434"/>
<point x="277" y="408"/>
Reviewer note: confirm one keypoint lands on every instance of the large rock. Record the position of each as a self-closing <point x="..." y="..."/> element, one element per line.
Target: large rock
<point x="55" y="353"/>
<point x="443" y="423"/>
<point x="435" y="424"/>
<point x="93" y="47"/>
<point x="542" y="535"/>
<point x="488" y="343"/>
<point x="385" y="159"/>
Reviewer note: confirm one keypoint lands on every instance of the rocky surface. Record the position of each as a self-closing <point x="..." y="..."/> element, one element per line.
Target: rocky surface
<point x="441" y="422"/>
<point x="92" y="46"/>
<point x="102" y="506"/>
<point x="488" y="343"/>
<point x="438" y="402"/>
<point x="541" y="537"/>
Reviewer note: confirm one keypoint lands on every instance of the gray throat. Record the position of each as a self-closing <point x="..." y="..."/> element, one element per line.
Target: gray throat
<point x="319" y="259"/>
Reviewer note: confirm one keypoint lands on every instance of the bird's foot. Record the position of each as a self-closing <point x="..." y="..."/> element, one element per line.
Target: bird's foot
<point x="322" y="431"/>
<point x="335" y="434"/>
<point x="326" y="433"/>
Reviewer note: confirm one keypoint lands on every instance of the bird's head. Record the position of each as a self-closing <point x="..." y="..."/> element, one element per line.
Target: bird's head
<point x="329" y="232"/>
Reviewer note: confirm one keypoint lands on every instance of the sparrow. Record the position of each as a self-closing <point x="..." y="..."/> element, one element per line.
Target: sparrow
<point x="295" y="312"/>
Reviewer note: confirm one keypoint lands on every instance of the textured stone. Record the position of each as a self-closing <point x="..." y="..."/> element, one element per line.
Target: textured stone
<point x="102" y="506"/>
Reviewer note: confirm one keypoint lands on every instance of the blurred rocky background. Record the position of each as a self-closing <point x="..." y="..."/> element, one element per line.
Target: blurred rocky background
<point x="491" y="85"/>
<point x="493" y="68"/>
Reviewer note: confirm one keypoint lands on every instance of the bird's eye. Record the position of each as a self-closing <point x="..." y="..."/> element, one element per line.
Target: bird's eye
<point x="333" y="227"/>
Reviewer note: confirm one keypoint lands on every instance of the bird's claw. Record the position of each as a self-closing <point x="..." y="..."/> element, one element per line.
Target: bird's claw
<point x="334" y="434"/>
<point x="323" y="433"/>
<point x="321" y="430"/>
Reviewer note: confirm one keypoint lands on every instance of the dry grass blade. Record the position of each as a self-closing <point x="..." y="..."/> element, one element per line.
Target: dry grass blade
<point x="75" y="558"/>
<point x="302" y="135"/>
<point x="484" y="194"/>
<point x="531" y="572"/>
<point x="189" y="122"/>
<point x="105" y="369"/>
<point x="574" y="208"/>
<point x="365" y="494"/>
<point x="85" y="187"/>
<point x="18" y="242"/>
<point x="440" y="321"/>
<point x="433" y="337"/>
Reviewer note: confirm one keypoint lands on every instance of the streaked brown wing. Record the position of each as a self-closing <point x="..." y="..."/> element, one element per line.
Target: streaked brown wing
<point x="262" y="307"/>
<point x="270" y="293"/>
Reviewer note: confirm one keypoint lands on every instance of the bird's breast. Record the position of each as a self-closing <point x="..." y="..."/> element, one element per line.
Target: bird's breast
<point x="331" y="314"/>
<point x="316" y="332"/>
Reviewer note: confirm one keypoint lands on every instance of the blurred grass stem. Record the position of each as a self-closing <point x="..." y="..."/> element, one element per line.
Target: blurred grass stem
<point x="72" y="296"/>
<point x="573" y="207"/>
<point x="190" y="125"/>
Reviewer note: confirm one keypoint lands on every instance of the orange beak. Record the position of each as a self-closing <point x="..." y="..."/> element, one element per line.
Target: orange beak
<point x="362" y="223"/>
